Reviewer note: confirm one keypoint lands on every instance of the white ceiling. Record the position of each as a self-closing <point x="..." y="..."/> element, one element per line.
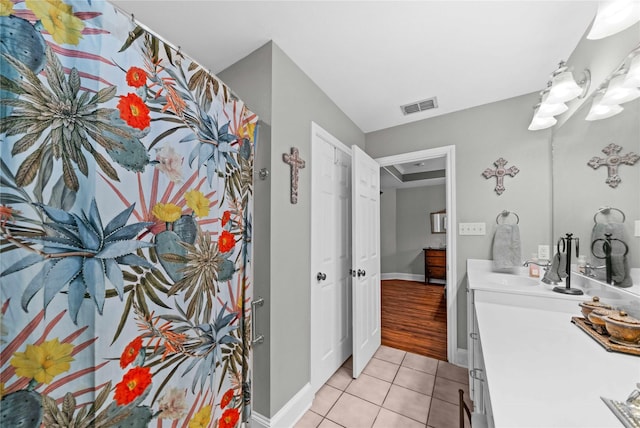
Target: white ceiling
<point x="370" y="57"/>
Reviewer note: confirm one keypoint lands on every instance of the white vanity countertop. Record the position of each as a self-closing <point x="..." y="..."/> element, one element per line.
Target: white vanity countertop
<point x="542" y="370"/>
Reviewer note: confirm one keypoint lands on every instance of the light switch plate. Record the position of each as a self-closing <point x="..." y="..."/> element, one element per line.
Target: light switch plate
<point x="472" y="229"/>
<point x="544" y="252"/>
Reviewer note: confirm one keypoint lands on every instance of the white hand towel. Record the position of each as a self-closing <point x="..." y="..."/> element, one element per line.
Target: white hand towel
<point x="506" y="247"/>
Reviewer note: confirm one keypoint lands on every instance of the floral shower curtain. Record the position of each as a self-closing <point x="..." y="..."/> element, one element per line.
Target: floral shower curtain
<point x="125" y="226"/>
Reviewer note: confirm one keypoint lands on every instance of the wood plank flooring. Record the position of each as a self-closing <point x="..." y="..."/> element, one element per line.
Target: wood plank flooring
<point x="414" y="317"/>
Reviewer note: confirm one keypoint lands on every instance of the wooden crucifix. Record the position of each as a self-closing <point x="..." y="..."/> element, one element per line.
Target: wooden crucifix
<point x="612" y="162"/>
<point x="296" y="163"/>
<point x="499" y="173"/>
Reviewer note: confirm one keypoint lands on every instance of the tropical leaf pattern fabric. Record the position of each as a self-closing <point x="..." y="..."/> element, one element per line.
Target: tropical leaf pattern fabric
<point x="125" y="226"/>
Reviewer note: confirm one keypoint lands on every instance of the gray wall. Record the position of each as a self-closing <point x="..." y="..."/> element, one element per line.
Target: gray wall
<point x="291" y="101"/>
<point x="250" y="78"/>
<point x="482" y="135"/>
<point x="388" y="248"/>
<point x="414" y="227"/>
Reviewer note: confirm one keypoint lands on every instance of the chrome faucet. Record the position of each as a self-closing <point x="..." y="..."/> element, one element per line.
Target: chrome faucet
<point x="588" y="270"/>
<point x="545" y="267"/>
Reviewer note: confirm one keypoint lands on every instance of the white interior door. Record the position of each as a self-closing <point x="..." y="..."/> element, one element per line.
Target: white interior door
<point x="366" y="257"/>
<point x="330" y="256"/>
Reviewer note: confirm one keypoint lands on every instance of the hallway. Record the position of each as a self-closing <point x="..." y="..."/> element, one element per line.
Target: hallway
<point x="414" y="317"/>
<point x="396" y="389"/>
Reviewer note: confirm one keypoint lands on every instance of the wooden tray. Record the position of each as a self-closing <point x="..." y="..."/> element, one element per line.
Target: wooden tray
<point x="604" y="340"/>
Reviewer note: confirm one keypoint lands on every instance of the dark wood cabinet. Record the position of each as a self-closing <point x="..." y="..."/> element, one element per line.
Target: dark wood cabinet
<point x="435" y="264"/>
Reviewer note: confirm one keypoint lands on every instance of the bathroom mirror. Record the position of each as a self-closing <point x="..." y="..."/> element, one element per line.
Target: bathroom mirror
<point x="579" y="190"/>
<point x="439" y="222"/>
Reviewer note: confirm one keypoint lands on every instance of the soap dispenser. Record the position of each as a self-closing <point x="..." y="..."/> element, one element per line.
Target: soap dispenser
<point x="534" y="269"/>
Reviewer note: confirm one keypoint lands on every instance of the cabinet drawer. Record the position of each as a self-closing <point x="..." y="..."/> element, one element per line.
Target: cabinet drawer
<point x="437" y="262"/>
<point x="436" y="272"/>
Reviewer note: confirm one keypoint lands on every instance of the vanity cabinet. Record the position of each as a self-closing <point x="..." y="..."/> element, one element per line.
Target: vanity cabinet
<point x="478" y="388"/>
<point x="435" y="264"/>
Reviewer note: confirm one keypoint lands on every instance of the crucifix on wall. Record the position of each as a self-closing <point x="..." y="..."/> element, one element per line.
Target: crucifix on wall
<point x="295" y="161"/>
<point x="613" y="160"/>
<point x="499" y="173"/>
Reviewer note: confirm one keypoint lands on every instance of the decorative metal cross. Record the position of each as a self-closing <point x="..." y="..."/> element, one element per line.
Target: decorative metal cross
<point x="499" y="174"/>
<point x="613" y="161"/>
<point x="296" y="163"/>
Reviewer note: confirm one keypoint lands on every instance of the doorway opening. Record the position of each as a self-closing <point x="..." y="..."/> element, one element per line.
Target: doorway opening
<point x="413" y="257"/>
<point x="446" y="155"/>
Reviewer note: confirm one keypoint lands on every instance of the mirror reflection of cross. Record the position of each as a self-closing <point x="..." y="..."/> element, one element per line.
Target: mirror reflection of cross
<point x="612" y="162"/>
<point x="499" y="174"/>
<point x="296" y="163"/>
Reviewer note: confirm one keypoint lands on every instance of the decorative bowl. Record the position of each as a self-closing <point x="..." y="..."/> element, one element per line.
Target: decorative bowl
<point x="623" y="328"/>
<point x="597" y="317"/>
<point x="590" y="305"/>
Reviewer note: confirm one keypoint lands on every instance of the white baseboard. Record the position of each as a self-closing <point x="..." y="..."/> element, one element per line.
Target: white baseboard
<point x="402" y="276"/>
<point x="289" y="414"/>
<point x="461" y="358"/>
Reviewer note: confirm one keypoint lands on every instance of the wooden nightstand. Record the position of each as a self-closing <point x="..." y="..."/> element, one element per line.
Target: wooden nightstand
<point x="435" y="264"/>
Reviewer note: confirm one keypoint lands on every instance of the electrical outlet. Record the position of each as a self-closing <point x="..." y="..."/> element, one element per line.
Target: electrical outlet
<point x="544" y="252"/>
<point x="472" y="229"/>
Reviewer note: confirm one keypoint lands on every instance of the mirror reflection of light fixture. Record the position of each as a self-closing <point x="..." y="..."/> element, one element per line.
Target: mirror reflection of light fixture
<point x="613" y="17"/>
<point x="633" y="74"/>
<point x="602" y="111"/>
<point x="564" y="87"/>
<point x="538" y="122"/>
<point x="617" y="93"/>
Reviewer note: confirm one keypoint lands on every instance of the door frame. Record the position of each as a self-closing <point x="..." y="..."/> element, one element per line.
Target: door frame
<point x="317" y="132"/>
<point x="454" y="354"/>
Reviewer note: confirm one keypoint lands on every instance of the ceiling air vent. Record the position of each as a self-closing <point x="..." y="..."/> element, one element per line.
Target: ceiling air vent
<point x="423" y="105"/>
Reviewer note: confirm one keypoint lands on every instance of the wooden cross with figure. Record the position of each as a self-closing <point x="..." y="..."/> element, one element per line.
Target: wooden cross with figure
<point x="613" y="160"/>
<point x="296" y="163"/>
<point x="499" y="174"/>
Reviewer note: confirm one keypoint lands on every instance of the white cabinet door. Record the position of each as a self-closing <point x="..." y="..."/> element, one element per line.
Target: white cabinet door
<point x="366" y="258"/>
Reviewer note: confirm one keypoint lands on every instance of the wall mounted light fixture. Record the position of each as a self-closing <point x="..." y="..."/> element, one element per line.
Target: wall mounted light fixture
<point x="561" y="89"/>
<point x="613" y="17"/>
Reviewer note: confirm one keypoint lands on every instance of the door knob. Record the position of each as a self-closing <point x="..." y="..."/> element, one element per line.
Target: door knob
<point x="361" y="272"/>
<point x="321" y="276"/>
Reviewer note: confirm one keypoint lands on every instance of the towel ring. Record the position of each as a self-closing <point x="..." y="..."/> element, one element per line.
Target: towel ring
<point x="505" y="214"/>
<point x="607" y="243"/>
<point x="607" y="210"/>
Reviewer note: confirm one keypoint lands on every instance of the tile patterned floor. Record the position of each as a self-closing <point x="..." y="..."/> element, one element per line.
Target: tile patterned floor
<point x="397" y="389"/>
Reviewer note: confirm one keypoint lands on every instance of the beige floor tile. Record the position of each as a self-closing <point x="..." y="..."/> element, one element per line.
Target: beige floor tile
<point x="381" y="369"/>
<point x="353" y="412"/>
<point x="326" y="423"/>
<point x="309" y="420"/>
<point x="369" y="388"/>
<point x="324" y="399"/>
<point x="452" y="372"/>
<point x="408" y="403"/>
<point x="348" y="364"/>
<point x="340" y="379"/>
<point x="447" y="390"/>
<point x="444" y="415"/>
<point x="420" y="362"/>
<point x="388" y="419"/>
<point x="415" y="380"/>
<point x="389" y="354"/>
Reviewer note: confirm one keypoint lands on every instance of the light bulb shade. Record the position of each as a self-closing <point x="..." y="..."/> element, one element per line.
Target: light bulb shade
<point x="613" y="17"/>
<point x="632" y="80"/>
<point x="617" y="94"/>
<point x="602" y="111"/>
<point x="548" y="109"/>
<point x="563" y="88"/>
<point x="538" y="123"/>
